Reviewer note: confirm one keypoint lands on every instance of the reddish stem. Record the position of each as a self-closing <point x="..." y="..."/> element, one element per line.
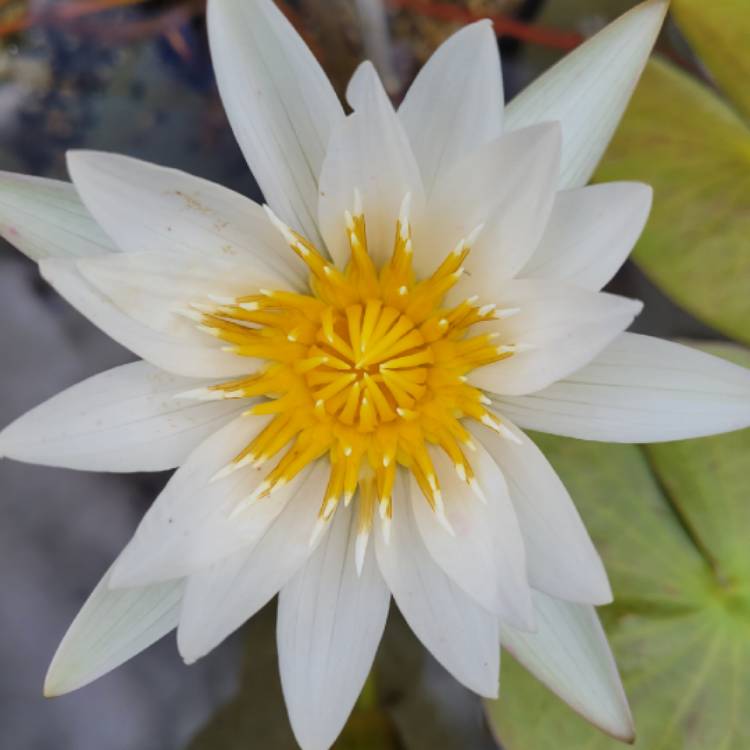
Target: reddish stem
<point x="564" y="40"/>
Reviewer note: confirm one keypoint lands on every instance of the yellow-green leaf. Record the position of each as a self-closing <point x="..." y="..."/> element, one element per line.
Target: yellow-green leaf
<point x="681" y="138"/>
<point x="719" y="31"/>
<point x="672" y="522"/>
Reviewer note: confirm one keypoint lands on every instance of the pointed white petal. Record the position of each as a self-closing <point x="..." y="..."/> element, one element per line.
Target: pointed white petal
<point x="191" y="524"/>
<point x="590" y="233"/>
<point x="561" y="328"/>
<point x="125" y="419"/>
<point x="219" y="599"/>
<point x="455" y="104"/>
<point x="160" y="289"/>
<point x="560" y="556"/>
<point x="330" y="622"/>
<point x="507" y="187"/>
<point x="459" y="633"/>
<point x="192" y="354"/>
<point x="588" y="90"/>
<point x="569" y="653"/>
<point x="279" y="102"/>
<point x="46" y="219"/>
<point x="486" y="556"/>
<point x="370" y="153"/>
<point x="112" y="627"/>
<point x="147" y="208"/>
<point x="640" y="390"/>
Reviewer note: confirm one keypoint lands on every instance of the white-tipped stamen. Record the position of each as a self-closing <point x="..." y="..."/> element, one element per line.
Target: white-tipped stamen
<point x="210" y="330"/>
<point x="231" y="467"/>
<point x="317" y="531"/>
<point x="329" y="507"/>
<point x="386" y="526"/>
<point x="515" y="348"/>
<point x="219" y="300"/>
<point x="403" y="290"/>
<point x="490" y="422"/>
<point x="461" y="471"/>
<point x="403" y="216"/>
<point x="383" y="507"/>
<point x="204" y="394"/>
<point x="476" y="488"/>
<point x="506" y="312"/>
<point x="285" y="231"/>
<point x="203" y="308"/>
<point x="508" y="434"/>
<point x="440" y="513"/>
<point x="358" y="209"/>
<point x="249" y="306"/>
<point x="360" y="550"/>
<point x="189" y="313"/>
<point x="473" y="235"/>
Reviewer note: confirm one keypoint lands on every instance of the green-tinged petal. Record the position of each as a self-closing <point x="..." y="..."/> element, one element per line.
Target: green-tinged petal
<point x="588" y="90"/>
<point x="46" y="219"/>
<point x="569" y="653"/>
<point x="112" y="627"/>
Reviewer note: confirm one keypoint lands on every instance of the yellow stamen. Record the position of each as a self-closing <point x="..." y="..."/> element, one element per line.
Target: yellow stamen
<point x="367" y="372"/>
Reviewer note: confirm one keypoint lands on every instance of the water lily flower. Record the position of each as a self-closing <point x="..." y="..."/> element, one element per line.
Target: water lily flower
<point x="343" y="376"/>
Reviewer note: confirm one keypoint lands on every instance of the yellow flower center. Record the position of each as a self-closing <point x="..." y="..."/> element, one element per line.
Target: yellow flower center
<point x="366" y="371"/>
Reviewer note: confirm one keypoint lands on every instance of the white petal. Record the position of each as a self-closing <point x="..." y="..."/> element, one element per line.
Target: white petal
<point x="588" y="90"/>
<point x="220" y="598"/>
<point x="156" y="289"/>
<point x="563" y="327"/>
<point x="279" y="102"/>
<point x="507" y="187"/>
<point x="369" y="152"/>
<point x="569" y="653"/>
<point x="455" y="104"/>
<point x="125" y="419"/>
<point x="459" y="633"/>
<point x="330" y="622"/>
<point x="193" y="355"/>
<point x="590" y="233"/>
<point x="640" y="390"/>
<point x="190" y="525"/>
<point x="46" y="219"/>
<point x="560" y="556"/>
<point x="112" y="627"/>
<point x="485" y="556"/>
<point x="148" y="208"/>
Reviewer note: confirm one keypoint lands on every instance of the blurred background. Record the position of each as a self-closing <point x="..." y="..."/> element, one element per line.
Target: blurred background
<point x="134" y="76"/>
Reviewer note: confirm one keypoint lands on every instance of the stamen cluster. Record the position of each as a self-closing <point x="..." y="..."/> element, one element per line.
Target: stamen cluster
<point x="368" y="371"/>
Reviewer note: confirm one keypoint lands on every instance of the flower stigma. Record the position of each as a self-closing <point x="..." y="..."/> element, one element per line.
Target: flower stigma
<point x="367" y="370"/>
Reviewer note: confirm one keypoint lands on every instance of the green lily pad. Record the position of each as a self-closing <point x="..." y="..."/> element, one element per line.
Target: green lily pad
<point x="719" y="31"/>
<point x="680" y="137"/>
<point x="672" y="522"/>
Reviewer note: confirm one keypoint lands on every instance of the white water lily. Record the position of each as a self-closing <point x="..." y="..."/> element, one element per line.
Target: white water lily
<point x="336" y="376"/>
